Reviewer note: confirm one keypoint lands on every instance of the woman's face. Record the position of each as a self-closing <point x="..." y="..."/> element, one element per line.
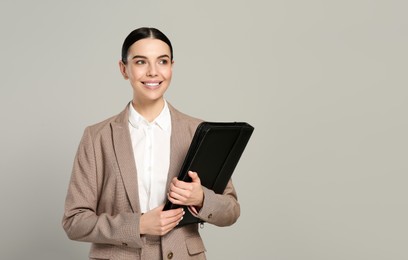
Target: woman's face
<point x="149" y="69"/>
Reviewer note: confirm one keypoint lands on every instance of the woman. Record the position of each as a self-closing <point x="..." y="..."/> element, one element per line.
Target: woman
<point x="126" y="167"/>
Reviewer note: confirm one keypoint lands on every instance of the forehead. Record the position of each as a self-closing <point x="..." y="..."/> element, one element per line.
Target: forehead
<point x="149" y="47"/>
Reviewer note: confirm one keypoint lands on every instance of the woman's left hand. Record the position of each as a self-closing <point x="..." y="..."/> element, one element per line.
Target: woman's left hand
<point x="187" y="193"/>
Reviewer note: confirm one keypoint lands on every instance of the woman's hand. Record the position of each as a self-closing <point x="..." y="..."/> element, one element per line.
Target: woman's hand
<point x="187" y="193"/>
<point x="159" y="222"/>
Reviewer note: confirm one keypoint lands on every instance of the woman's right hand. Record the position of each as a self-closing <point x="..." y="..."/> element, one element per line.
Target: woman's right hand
<point x="159" y="222"/>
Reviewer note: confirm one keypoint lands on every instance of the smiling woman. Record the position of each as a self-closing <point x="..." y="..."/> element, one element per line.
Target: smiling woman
<point x="148" y="67"/>
<point x="126" y="168"/>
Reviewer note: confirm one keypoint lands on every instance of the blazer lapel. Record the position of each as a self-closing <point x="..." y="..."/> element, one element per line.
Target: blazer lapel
<point x="124" y="154"/>
<point x="178" y="143"/>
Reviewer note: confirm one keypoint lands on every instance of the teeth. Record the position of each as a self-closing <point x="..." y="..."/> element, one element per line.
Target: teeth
<point x="152" y="84"/>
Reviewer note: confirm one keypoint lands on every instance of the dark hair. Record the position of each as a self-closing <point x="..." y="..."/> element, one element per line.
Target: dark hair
<point x="143" y="33"/>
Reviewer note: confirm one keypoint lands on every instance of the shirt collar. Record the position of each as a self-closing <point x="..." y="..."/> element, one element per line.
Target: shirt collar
<point x="163" y="120"/>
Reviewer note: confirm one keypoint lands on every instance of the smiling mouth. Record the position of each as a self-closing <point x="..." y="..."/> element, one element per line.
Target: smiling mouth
<point x="152" y="85"/>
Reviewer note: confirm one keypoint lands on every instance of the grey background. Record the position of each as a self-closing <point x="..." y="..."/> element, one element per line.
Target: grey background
<point x="323" y="82"/>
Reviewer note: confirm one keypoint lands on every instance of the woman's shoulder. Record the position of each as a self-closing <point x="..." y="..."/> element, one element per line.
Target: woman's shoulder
<point x="181" y="116"/>
<point x="105" y="125"/>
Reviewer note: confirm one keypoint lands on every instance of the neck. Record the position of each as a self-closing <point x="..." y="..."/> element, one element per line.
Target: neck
<point x="149" y="110"/>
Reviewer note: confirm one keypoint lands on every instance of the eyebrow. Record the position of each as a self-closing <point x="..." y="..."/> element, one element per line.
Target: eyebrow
<point x="144" y="57"/>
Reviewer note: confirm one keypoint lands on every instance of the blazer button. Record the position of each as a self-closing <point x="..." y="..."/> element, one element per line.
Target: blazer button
<point x="210" y="216"/>
<point x="170" y="255"/>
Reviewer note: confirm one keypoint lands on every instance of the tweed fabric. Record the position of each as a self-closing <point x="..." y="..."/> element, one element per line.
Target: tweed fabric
<point x="102" y="204"/>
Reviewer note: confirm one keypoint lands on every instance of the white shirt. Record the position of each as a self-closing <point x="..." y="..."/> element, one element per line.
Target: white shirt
<point x="151" y="149"/>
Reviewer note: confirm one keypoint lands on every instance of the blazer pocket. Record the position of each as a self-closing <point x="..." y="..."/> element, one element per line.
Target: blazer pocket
<point x="195" y="245"/>
<point x="100" y="252"/>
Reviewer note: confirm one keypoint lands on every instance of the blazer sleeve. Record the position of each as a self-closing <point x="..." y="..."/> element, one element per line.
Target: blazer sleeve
<point x="220" y="209"/>
<point x="80" y="220"/>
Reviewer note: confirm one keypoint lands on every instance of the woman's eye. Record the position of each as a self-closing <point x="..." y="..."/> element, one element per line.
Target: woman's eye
<point x="140" y="62"/>
<point x="163" y="62"/>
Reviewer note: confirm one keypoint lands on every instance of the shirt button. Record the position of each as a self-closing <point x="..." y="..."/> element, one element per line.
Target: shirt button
<point x="170" y="255"/>
<point x="210" y="216"/>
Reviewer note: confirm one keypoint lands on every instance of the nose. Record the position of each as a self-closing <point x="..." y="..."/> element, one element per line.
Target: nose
<point x="151" y="70"/>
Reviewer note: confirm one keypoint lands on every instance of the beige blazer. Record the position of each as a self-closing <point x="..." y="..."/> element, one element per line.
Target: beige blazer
<point x="102" y="204"/>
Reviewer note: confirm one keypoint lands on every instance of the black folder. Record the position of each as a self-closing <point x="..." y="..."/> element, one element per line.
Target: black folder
<point x="214" y="153"/>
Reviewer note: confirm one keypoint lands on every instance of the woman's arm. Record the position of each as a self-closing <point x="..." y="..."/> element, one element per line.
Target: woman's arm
<point x="80" y="220"/>
<point x="218" y="209"/>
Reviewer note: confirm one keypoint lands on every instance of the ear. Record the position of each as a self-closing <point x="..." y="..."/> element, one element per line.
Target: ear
<point x="122" y="68"/>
